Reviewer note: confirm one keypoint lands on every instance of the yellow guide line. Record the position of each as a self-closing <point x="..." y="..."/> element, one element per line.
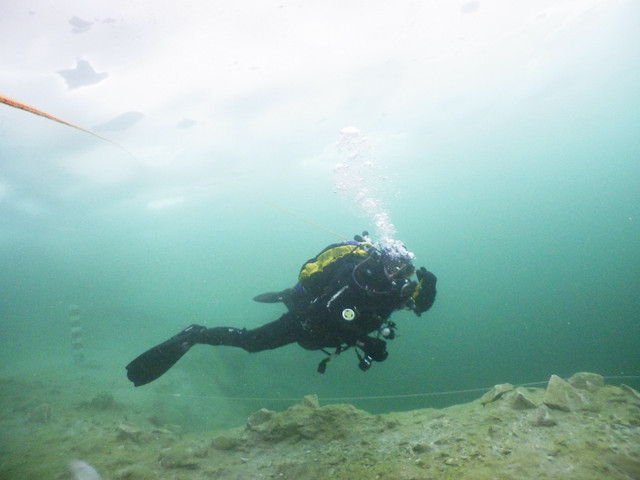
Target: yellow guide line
<point x="303" y="219"/>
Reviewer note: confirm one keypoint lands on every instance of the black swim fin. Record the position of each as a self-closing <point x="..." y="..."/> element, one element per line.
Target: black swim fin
<point x="271" y="297"/>
<point x="157" y="360"/>
<point x="293" y="298"/>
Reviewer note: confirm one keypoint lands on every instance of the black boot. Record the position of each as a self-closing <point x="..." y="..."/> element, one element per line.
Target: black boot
<point x="156" y="361"/>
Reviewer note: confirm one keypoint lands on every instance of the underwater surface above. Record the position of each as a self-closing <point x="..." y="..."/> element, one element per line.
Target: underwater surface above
<point x="499" y="141"/>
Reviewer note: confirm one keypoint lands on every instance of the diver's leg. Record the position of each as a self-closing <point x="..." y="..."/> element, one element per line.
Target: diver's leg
<point x="275" y="334"/>
<point x="157" y="360"/>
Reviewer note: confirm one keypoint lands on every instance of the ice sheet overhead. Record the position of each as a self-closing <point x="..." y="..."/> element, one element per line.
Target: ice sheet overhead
<point x="271" y="71"/>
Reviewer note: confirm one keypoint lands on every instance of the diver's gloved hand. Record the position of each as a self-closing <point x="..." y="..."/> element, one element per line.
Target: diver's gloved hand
<point x="375" y="348"/>
<point x="425" y="293"/>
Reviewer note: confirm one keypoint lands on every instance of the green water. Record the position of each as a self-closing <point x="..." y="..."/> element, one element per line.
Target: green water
<point x="519" y="187"/>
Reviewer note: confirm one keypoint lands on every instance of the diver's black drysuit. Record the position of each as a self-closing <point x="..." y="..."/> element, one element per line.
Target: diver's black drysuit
<point x="354" y="296"/>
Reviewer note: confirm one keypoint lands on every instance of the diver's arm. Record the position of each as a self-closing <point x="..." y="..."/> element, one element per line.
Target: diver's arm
<point x="425" y="292"/>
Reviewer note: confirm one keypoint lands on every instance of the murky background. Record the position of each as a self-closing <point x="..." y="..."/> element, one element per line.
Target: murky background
<point x="499" y="142"/>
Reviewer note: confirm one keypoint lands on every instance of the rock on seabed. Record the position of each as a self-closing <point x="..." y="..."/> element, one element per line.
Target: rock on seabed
<point x="561" y="395"/>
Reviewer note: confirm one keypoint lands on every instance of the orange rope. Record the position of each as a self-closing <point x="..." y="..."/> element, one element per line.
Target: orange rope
<point x="28" y="108"/>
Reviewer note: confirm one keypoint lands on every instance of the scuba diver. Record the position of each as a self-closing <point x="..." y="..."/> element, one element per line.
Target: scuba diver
<point x="344" y="294"/>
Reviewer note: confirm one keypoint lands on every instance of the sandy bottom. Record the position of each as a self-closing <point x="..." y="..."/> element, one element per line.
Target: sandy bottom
<point x="578" y="428"/>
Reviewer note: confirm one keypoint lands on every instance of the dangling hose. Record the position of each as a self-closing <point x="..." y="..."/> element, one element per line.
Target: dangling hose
<point x="366" y="288"/>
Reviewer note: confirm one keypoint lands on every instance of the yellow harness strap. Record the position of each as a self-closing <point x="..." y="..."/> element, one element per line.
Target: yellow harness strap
<point x="416" y="292"/>
<point x="331" y="255"/>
